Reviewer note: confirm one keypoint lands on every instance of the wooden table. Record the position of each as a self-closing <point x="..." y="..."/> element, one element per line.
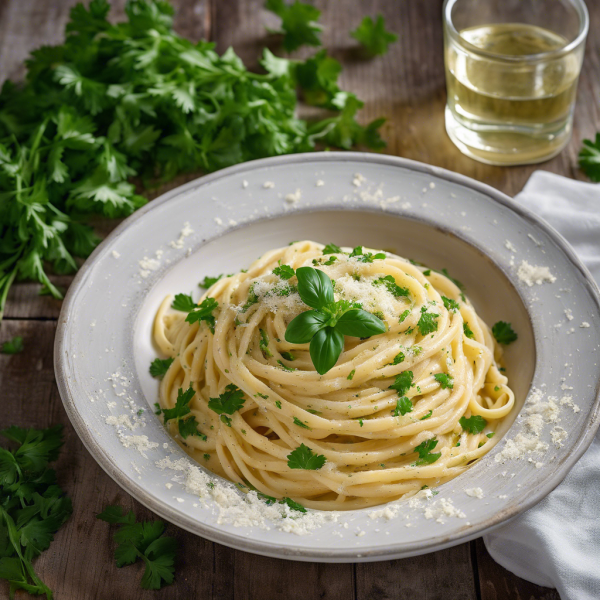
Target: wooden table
<point x="406" y="86"/>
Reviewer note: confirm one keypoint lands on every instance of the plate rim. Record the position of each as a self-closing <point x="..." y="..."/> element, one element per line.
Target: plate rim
<point x="463" y="534"/>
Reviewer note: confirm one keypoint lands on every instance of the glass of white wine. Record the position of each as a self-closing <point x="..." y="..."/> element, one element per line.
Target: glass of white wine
<point x="511" y="73"/>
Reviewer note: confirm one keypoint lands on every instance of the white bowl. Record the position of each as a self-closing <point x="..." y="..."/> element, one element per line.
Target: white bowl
<point x="103" y="343"/>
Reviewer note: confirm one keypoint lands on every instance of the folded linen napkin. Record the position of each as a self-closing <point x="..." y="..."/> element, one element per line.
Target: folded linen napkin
<point x="557" y="542"/>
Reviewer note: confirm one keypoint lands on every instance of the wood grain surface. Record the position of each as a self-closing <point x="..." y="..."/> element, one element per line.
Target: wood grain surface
<point x="406" y="86"/>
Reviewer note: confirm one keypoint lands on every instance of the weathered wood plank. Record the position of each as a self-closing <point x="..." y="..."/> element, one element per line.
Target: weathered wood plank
<point x="437" y="576"/>
<point x="496" y="583"/>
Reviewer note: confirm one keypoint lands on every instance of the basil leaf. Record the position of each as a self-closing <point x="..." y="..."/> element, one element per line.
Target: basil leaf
<point x="314" y="287"/>
<point x="325" y="348"/>
<point x="303" y="327"/>
<point x="359" y="323"/>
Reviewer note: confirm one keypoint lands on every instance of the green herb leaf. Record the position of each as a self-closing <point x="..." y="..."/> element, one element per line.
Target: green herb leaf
<point x="427" y="322"/>
<point x="298" y="23"/>
<point x="450" y="304"/>
<point x="404" y="315"/>
<point x="304" y="458"/>
<point x="373" y="35"/>
<point x="287" y="356"/>
<point x="143" y="540"/>
<point x="229" y="401"/>
<point x="181" y="407"/>
<point x="303" y="328"/>
<point x="403" y="406"/>
<point x="315" y="287"/>
<point x="503" y="332"/>
<point x="325" y="349"/>
<point x="159" y="368"/>
<point x="468" y="332"/>
<point x="474" y="424"/>
<point x="183" y="302"/>
<point x="263" y="344"/>
<point x="332" y="249"/>
<point x="203" y="312"/>
<point x="13" y="346"/>
<point x="390" y="283"/>
<point x="589" y="158"/>
<point x="284" y="271"/>
<point x="424" y="451"/>
<point x="427" y="416"/>
<point x="208" y="281"/>
<point x="403" y="383"/>
<point x="285" y="367"/>
<point x="299" y="423"/>
<point x="399" y="358"/>
<point x="359" y="323"/>
<point x="351" y="375"/>
<point x="446" y="381"/>
<point x="293" y="505"/>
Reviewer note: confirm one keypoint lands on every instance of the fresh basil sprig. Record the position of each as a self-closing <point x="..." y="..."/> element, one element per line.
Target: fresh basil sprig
<point x="326" y="326"/>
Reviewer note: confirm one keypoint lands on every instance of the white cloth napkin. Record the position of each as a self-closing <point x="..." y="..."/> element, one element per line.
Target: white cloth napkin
<point x="557" y="542"/>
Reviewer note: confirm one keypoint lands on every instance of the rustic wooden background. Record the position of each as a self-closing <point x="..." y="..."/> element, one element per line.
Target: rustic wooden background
<point x="407" y="86"/>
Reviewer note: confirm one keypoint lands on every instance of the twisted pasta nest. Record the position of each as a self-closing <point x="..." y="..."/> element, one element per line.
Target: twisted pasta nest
<point x="375" y="450"/>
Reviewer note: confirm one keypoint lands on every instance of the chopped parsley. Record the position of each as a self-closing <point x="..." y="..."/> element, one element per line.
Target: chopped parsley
<point x="278" y="403"/>
<point x="427" y="415"/>
<point x="399" y="358"/>
<point x="231" y="400"/>
<point x="332" y="249"/>
<point x="304" y="458"/>
<point x="263" y="344"/>
<point x="284" y="271"/>
<point x="403" y="382"/>
<point x="404" y="315"/>
<point x="450" y="304"/>
<point x="424" y="451"/>
<point x="474" y="424"/>
<point x="298" y="422"/>
<point x="13" y="346"/>
<point x="187" y="426"/>
<point x="491" y="434"/>
<point x="457" y="283"/>
<point x="183" y="303"/>
<point x="143" y="540"/>
<point x="427" y="322"/>
<point x="285" y="367"/>
<point x="390" y="283"/>
<point x="203" y="312"/>
<point x="351" y="374"/>
<point x="208" y="281"/>
<point x="158" y="367"/>
<point x="263" y="396"/>
<point x="427" y="273"/>
<point x="288" y="356"/>
<point x="446" y="381"/>
<point x="468" y="332"/>
<point x="367" y="257"/>
<point x="504" y="333"/>
<point x="403" y="406"/>
<point x="252" y="299"/>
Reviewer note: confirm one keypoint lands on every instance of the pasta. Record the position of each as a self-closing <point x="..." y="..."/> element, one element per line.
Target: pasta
<point x="405" y="409"/>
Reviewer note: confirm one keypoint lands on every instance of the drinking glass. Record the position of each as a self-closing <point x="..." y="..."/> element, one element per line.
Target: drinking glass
<point x="512" y="68"/>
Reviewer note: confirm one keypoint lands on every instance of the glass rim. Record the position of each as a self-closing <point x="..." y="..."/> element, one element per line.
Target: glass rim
<point x="584" y="24"/>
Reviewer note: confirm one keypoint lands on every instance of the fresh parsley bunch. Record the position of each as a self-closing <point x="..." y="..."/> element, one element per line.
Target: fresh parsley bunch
<point x="32" y="505"/>
<point x="326" y="325"/>
<point x="116" y="101"/>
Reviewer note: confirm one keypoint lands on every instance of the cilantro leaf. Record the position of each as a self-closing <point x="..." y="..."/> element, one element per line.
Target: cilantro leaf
<point x="159" y="367"/>
<point x="424" y="451"/>
<point x="589" y="158"/>
<point x="284" y="271"/>
<point x="427" y="322"/>
<point x="332" y="249"/>
<point x="304" y="458"/>
<point x="231" y="400"/>
<point x="392" y="287"/>
<point x="446" y="381"/>
<point x="504" y="333"/>
<point x="183" y="303"/>
<point x="13" y="346"/>
<point x="403" y="406"/>
<point x="373" y="35"/>
<point x="474" y="424"/>
<point x="298" y="23"/>
<point x="144" y="540"/>
<point x="404" y="381"/>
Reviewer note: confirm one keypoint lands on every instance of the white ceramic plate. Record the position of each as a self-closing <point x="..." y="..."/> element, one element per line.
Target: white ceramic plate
<point x="103" y="344"/>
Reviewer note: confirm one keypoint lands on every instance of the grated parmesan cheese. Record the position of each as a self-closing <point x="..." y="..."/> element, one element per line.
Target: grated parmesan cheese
<point x="475" y="492"/>
<point x="534" y="275"/>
